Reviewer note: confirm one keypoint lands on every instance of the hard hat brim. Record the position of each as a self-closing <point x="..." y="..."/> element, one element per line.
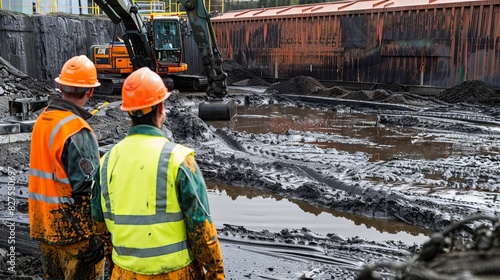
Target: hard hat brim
<point x="65" y="83"/>
<point x="133" y="108"/>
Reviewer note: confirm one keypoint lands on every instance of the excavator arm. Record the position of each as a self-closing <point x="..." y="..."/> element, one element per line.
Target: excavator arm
<point x="136" y="36"/>
<point x="141" y="53"/>
<point x="204" y="36"/>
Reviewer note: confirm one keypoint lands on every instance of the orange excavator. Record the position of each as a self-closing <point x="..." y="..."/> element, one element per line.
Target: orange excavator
<point x="156" y="41"/>
<point x="113" y="62"/>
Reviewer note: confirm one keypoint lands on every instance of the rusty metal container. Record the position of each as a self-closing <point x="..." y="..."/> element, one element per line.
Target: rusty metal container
<point x="437" y="43"/>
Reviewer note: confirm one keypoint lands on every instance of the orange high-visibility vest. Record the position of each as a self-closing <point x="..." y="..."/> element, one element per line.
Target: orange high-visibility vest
<point x="52" y="209"/>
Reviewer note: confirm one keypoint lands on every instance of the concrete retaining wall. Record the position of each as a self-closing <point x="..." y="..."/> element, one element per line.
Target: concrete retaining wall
<point x="39" y="45"/>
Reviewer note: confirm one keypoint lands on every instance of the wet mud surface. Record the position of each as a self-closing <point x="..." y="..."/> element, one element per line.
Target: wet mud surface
<point x="428" y="190"/>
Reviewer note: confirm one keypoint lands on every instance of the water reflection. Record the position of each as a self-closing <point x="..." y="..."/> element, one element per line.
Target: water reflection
<point x="388" y="142"/>
<point x="258" y="209"/>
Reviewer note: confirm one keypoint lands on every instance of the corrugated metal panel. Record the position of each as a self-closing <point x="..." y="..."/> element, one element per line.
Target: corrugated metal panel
<point x="374" y="41"/>
<point x="342" y="6"/>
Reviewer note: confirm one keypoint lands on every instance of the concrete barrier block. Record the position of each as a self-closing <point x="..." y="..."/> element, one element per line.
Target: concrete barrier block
<point x="12" y="138"/>
<point x="26" y="126"/>
<point x="9" y="128"/>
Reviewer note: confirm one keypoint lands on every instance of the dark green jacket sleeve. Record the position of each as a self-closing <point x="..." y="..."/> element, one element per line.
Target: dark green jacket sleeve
<point x="81" y="162"/>
<point x="80" y="159"/>
<point x="193" y="195"/>
<point x="95" y="199"/>
<point x="201" y="231"/>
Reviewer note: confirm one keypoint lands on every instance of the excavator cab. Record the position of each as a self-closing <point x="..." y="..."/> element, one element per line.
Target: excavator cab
<point x="167" y="44"/>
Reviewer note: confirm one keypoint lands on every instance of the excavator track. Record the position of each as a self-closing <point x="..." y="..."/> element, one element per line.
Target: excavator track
<point x="112" y="85"/>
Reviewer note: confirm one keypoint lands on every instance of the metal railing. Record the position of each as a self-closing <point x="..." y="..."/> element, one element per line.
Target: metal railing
<point x="54" y="6"/>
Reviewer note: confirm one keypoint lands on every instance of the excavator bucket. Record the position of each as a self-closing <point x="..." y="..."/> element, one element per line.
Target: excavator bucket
<point x="217" y="109"/>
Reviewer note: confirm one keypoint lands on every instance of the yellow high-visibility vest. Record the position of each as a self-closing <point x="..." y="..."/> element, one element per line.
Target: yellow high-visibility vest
<point x="140" y="205"/>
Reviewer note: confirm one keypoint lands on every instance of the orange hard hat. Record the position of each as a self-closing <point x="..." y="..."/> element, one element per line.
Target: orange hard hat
<point x="78" y="71"/>
<point x="143" y="89"/>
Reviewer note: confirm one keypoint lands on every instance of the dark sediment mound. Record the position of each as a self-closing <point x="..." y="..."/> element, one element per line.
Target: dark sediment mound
<point x="359" y="95"/>
<point x="16" y="84"/>
<point x="300" y="85"/>
<point x="304" y="85"/>
<point x="472" y="92"/>
<point x="334" y="91"/>
<point x="240" y="76"/>
<point x="391" y="87"/>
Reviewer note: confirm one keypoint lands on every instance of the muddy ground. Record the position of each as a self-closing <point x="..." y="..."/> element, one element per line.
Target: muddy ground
<point x="427" y="193"/>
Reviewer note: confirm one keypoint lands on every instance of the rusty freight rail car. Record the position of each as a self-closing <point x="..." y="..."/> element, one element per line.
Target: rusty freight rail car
<point x="436" y="43"/>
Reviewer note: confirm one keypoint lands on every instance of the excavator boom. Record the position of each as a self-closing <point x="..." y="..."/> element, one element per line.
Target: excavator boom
<point x="135" y="36"/>
<point x="142" y="46"/>
<point x="204" y="35"/>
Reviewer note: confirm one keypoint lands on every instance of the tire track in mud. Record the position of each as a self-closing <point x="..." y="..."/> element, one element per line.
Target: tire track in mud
<point x="330" y="257"/>
<point x="398" y="189"/>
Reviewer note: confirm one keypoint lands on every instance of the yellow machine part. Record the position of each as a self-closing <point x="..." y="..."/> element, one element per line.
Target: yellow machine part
<point x="114" y="58"/>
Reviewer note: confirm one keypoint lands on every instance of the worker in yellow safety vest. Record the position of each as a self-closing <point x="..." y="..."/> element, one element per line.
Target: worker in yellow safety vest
<point x="153" y="196"/>
<point x="64" y="163"/>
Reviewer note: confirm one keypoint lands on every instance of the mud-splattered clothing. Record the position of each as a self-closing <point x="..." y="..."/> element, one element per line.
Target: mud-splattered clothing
<point x="191" y="272"/>
<point x="62" y="262"/>
<point x="64" y="161"/>
<point x="166" y="187"/>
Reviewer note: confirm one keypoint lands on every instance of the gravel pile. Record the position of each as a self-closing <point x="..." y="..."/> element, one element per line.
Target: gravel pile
<point x="472" y="92"/>
<point x="16" y="84"/>
<point x="300" y="85"/>
<point x="469" y="92"/>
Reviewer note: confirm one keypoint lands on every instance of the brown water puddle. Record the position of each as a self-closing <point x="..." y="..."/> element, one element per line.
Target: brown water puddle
<point x="387" y="143"/>
<point x="258" y="210"/>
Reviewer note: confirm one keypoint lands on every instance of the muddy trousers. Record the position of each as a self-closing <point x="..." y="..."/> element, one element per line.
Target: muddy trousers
<point x="61" y="262"/>
<point x="191" y="272"/>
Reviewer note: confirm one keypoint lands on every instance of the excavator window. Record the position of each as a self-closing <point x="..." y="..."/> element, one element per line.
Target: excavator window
<point x="167" y="40"/>
<point x="166" y="35"/>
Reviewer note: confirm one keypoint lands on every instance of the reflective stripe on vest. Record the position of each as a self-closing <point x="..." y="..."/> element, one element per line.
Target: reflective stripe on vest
<point x="58" y="127"/>
<point x="157" y="236"/>
<point x="161" y="215"/>
<point x="51" y="199"/>
<point x="151" y="252"/>
<point x="48" y="175"/>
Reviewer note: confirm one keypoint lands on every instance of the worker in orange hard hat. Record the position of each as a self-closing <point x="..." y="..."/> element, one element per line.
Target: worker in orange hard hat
<point x="153" y="196"/>
<point x="64" y="163"/>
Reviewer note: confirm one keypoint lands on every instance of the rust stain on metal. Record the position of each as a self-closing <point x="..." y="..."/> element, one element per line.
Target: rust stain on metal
<point x="428" y="42"/>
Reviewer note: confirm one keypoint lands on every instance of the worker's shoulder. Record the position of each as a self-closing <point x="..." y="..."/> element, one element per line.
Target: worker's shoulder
<point x="190" y="163"/>
<point x="184" y="149"/>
